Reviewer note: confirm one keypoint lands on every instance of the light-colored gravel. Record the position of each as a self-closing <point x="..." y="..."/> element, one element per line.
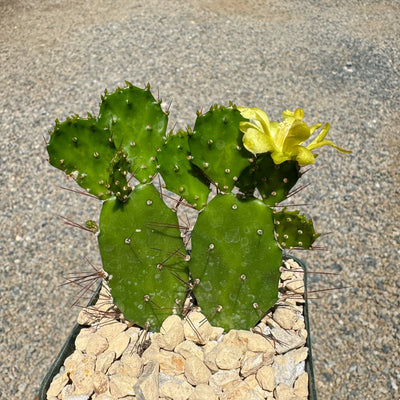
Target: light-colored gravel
<point x="339" y="60"/>
<point x="266" y="362"/>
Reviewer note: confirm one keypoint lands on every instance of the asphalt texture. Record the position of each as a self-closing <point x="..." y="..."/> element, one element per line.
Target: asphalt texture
<point x="339" y="60"/>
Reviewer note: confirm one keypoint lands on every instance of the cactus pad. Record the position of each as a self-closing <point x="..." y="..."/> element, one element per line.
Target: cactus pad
<point x="179" y="174"/>
<point x="83" y="151"/>
<point x="236" y="259"/>
<point x="294" y="230"/>
<point x="216" y="146"/>
<point x="141" y="247"/>
<point x="272" y="181"/>
<point x="137" y="125"/>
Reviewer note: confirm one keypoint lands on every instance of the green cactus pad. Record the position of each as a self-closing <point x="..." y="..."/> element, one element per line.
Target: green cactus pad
<point x="272" y="181"/>
<point x="137" y="125"/>
<point x="294" y="230"/>
<point x="141" y="247"/>
<point x="83" y="151"/>
<point x="236" y="259"/>
<point x="179" y="174"/>
<point x="216" y="146"/>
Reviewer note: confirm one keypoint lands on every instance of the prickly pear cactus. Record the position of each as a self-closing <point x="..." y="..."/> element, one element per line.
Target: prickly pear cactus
<point x="237" y="241"/>
<point x="235" y="261"/>
<point x="180" y="175"/>
<point x="137" y="125"/>
<point x="84" y="151"/>
<point x="144" y="255"/>
<point x="294" y="230"/>
<point x="272" y="181"/>
<point x="216" y="146"/>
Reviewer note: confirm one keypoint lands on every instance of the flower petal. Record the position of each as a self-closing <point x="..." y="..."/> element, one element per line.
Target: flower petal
<point x="256" y="141"/>
<point x="257" y="115"/>
<point x="329" y="143"/>
<point x="298" y="133"/>
<point x="304" y="156"/>
<point x="279" y="157"/>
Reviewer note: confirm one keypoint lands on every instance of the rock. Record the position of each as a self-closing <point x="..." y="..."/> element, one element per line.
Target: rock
<point x="284" y="392"/>
<point x="57" y="385"/>
<point x="216" y="333"/>
<point x="67" y="391"/>
<point x="240" y="391"/>
<point x="299" y="324"/>
<point x="82" y="377"/>
<point x="258" y="343"/>
<point x="146" y="387"/>
<point x="122" y="385"/>
<point x="268" y="357"/>
<point x="223" y="379"/>
<point x="299" y="355"/>
<point x="237" y="338"/>
<point x="196" y="372"/>
<point x="285" y="369"/>
<point x="265" y="377"/>
<point x="253" y="383"/>
<point x="188" y="349"/>
<point x="73" y="361"/>
<point x="286" y="317"/>
<point x="132" y="365"/>
<point x="100" y="382"/>
<point x="251" y="363"/>
<point x="172" y="331"/>
<point x="295" y="286"/>
<point x="104" y="361"/>
<point x="301" y="386"/>
<point x="119" y="343"/>
<point x="228" y="357"/>
<point x="175" y="388"/>
<point x="111" y="330"/>
<point x="170" y="363"/>
<point x="286" y="275"/>
<point x="151" y="353"/>
<point x="97" y="344"/>
<point x="203" y="392"/>
<point x="286" y="340"/>
<point x="197" y="328"/>
<point x="78" y="397"/>
<point x="83" y="338"/>
<point x="210" y="352"/>
<point x="104" y="396"/>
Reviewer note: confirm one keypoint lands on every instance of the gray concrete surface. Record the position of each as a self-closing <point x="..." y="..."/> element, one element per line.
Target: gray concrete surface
<point x="339" y="60"/>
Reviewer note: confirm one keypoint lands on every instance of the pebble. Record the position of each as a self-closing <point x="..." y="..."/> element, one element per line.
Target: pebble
<point x="266" y="378"/>
<point x="172" y="331"/>
<point x="286" y="317"/>
<point x="196" y="371"/>
<point x="146" y="387"/>
<point x="301" y="386"/>
<point x="175" y="388"/>
<point x="203" y="392"/>
<point x="122" y="385"/>
<point x="104" y="361"/>
<point x="190" y="359"/>
<point x="188" y="349"/>
<point x="97" y="344"/>
<point x="286" y="340"/>
<point x="119" y="343"/>
<point x="197" y="328"/>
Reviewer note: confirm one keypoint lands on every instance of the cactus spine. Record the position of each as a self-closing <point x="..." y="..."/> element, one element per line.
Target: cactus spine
<point x="238" y="239"/>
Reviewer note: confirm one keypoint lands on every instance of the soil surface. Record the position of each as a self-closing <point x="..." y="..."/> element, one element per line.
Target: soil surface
<point x="339" y="60"/>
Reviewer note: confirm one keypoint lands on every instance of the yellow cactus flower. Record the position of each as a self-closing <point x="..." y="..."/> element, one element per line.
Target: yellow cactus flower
<point x="282" y="139"/>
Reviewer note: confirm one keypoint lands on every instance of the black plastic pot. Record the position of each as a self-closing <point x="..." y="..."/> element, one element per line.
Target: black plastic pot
<point x="69" y="347"/>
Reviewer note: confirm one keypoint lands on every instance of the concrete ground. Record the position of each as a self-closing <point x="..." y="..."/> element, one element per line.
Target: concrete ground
<point x="339" y="60"/>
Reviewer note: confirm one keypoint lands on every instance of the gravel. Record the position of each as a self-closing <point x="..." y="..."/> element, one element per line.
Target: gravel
<point x="339" y="60"/>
